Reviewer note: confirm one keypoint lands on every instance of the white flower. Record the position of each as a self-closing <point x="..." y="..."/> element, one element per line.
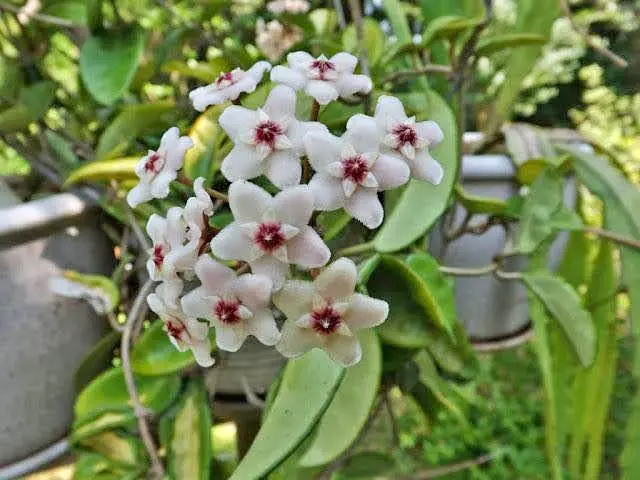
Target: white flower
<point x="326" y="313"/>
<point x="184" y="332"/>
<point x="288" y="6"/>
<point x="267" y="141"/>
<point x="235" y="306"/>
<point x="270" y="232"/>
<point x="158" y="169"/>
<point x="350" y="171"/>
<point x="321" y="78"/>
<point x="166" y="234"/>
<point x="406" y="139"/>
<point x="229" y="86"/>
<point x="274" y="38"/>
<point x="199" y="206"/>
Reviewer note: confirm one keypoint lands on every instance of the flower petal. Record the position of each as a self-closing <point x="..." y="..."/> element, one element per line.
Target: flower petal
<point x="141" y="193"/>
<point x="323" y="149"/>
<point x="202" y="353"/>
<point x="242" y="163"/>
<point x="337" y="281"/>
<point x="248" y="202"/>
<point x="156" y="228"/>
<point x="202" y="97"/>
<point x="216" y="278"/>
<point x="295" y="297"/>
<point x="327" y="192"/>
<point x="160" y="184"/>
<point x="429" y="131"/>
<point x="281" y="103"/>
<point x="297" y="131"/>
<point x="295" y="340"/>
<point x="199" y="303"/>
<point x="365" y="206"/>
<point x="322" y="91"/>
<point x="365" y="312"/>
<point x="232" y="243"/>
<point x="286" y="76"/>
<point x="156" y="305"/>
<point x="257" y="70"/>
<point x="299" y="60"/>
<point x="348" y="85"/>
<point x="271" y="267"/>
<point x="263" y="326"/>
<point x="169" y="291"/>
<point x="362" y="134"/>
<point x="307" y="249"/>
<point x="175" y="156"/>
<point x="230" y="337"/>
<point x="294" y="205"/>
<point x="283" y="169"/>
<point x="236" y="121"/>
<point x="344" y="350"/>
<point x="344" y="62"/>
<point x="254" y="291"/>
<point x="389" y="109"/>
<point x="425" y="167"/>
<point x="390" y="172"/>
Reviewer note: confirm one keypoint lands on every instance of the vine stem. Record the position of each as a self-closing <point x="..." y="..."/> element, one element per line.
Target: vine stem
<point x="41" y="17"/>
<point x="315" y="111"/>
<point x="140" y="412"/>
<point x="217" y="195"/>
<point x="629" y="242"/>
<point x="431" y="68"/>
<point x="355" y="249"/>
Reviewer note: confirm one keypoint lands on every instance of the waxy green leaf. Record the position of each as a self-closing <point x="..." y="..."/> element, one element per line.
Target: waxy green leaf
<point x="153" y="354"/>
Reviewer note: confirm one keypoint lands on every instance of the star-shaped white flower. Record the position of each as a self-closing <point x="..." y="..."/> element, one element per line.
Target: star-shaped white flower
<point x="324" y="79"/>
<point x="158" y="169"/>
<point x="166" y="235"/>
<point x="350" y="172"/>
<point x="199" y="206"/>
<point x="327" y="313"/>
<point x="267" y="141"/>
<point x="235" y="306"/>
<point x="270" y="232"/>
<point x="406" y="139"/>
<point x="185" y="333"/>
<point x="288" y="6"/>
<point x="229" y="86"/>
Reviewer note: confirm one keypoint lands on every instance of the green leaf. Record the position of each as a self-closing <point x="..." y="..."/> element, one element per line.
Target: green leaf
<point x="398" y="20"/>
<point x="96" y="360"/>
<point x="543" y="200"/>
<point x="574" y="268"/>
<point x="308" y="385"/>
<point x="108" y="62"/>
<point x="204" y="158"/>
<point x="564" y="304"/>
<point x="94" y="15"/>
<point x="566" y="219"/>
<point x="62" y="150"/>
<point x="493" y="44"/>
<point x="93" y="466"/>
<point x="134" y="121"/>
<point x="109" y="392"/>
<point x="100" y="422"/>
<point x="99" y="284"/>
<point x="402" y="226"/>
<point x="447" y="27"/>
<point x="374" y="40"/>
<point x="11" y="78"/>
<point x="527" y="142"/>
<point x="74" y="10"/>
<point x="332" y="223"/>
<point x="366" y="268"/>
<point x="187" y="435"/>
<point x="33" y="103"/>
<point x="367" y="465"/>
<point x="153" y="354"/>
<point x="116" y="447"/>
<point x="477" y="204"/>
<point x="350" y="407"/>
<point x="118" y="169"/>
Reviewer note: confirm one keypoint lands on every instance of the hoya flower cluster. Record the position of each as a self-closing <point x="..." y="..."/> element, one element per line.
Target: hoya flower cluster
<point x="273" y="236"/>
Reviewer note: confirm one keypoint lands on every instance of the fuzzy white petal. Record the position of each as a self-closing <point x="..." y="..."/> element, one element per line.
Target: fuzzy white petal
<point x="430" y="131"/>
<point x="202" y="97"/>
<point x="236" y="121"/>
<point x="242" y="163"/>
<point x="160" y="184"/>
<point x="327" y="192"/>
<point x="323" y="149"/>
<point x="344" y="62"/>
<point x="254" y="291"/>
<point x="289" y="77"/>
<point x="390" y="172"/>
<point x="141" y="193"/>
<point x="202" y="353"/>
<point x="389" y="109"/>
<point x="263" y="326"/>
<point x="362" y="133"/>
<point x="365" y="206"/>
<point x="283" y="169"/>
<point x="425" y="167"/>
<point x="281" y="103"/>
<point x="323" y="92"/>
<point x="214" y="276"/>
<point x="295" y="340"/>
<point x="257" y="70"/>
<point x="294" y="205"/>
<point x="338" y="280"/>
<point x="248" y="202"/>
<point x="230" y="337"/>
<point x="348" y="85"/>
<point x="271" y="267"/>
<point x="199" y="303"/>
<point x="295" y="298"/>
<point x="365" y="312"/>
<point x="344" y="350"/>
<point x="307" y="249"/>
<point x="232" y="243"/>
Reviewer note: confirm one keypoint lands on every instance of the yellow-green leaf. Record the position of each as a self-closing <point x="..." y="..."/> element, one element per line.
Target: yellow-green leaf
<point x="118" y="169"/>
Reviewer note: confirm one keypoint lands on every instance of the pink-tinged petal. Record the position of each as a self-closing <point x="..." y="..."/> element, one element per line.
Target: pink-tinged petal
<point x="175" y="156"/>
<point x="180" y="346"/>
<point x="263" y="326"/>
<point x="299" y="60"/>
<point x="286" y="76"/>
<point x="294" y="205"/>
<point x="214" y="276"/>
<point x="248" y="202"/>
<point x="237" y="121"/>
<point x="338" y="281"/>
<point x="160" y="184"/>
<point x="156" y="305"/>
<point x="425" y="167"/>
<point x="271" y="267"/>
<point x="283" y="169"/>
<point x="295" y="297"/>
<point x="323" y="92"/>
<point x="198" y="330"/>
<point x="344" y="62"/>
<point x="365" y="312"/>
<point x="365" y="207"/>
<point x="175" y="227"/>
<point x="202" y="353"/>
<point x="257" y="70"/>
<point x="281" y="103"/>
<point x="242" y="163"/>
<point x="202" y="97"/>
<point x="389" y="110"/>
<point x="199" y="303"/>
<point x="429" y="131"/>
<point x="230" y="337"/>
<point x="232" y="243"/>
<point x="344" y="350"/>
<point x="298" y="130"/>
<point x="246" y="84"/>
<point x="295" y="340"/>
<point x="307" y="249"/>
<point x="348" y="85"/>
<point x="153" y="271"/>
<point x="323" y="149"/>
<point x="169" y="139"/>
<point x="169" y="291"/>
<point x="183" y="258"/>
<point x="390" y="172"/>
<point x="327" y="192"/>
<point x="362" y="134"/>
<point x="139" y="194"/>
<point x="254" y="291"/>
<point x="156" y="228"/>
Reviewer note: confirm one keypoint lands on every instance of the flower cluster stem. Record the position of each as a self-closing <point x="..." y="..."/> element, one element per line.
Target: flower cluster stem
<point x="315" y="111"/>
<point x="356" y="249"/>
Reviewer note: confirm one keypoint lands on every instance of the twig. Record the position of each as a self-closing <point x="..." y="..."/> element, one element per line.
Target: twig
<point x="604" y="51"/>
<point x="468" y="272"/>
<point x="430" y="68"/>
<point x="252" y="398"/>
<point x="217" y="195"/>
<point x="315" y="111"/>
<point x="41" y="17"/>
<point x="468" y="49"/>
<point x="501" y="274"/>
<point x="621" y="239"/>
<point x="355" y="249"/>
<point x="113" y="322"/>
<point x="140" y="412"/>
<point x="144" y="242"/>
<point x="449" y="469"/>
<point x="395" y="429"/>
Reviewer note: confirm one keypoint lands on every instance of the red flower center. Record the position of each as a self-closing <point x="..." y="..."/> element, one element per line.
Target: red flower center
<point x="405" y="134"/>
<point x="227" y="311"/>
<point x="224" y="80"/>
<point x="355" y="168"/>
<point x="269" y="236"/>
<point x="267" y="132"/>
<point x="326" y="320"/>
<point x="153" y="163"/>
<point x="158" y="255"/>
<point x="176" y="328"/>
<point x="321" y="67"/>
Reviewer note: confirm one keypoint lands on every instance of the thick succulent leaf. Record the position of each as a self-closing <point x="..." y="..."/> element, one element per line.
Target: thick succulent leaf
<point x="153" y="354"/>
<point x="118" y="169"/>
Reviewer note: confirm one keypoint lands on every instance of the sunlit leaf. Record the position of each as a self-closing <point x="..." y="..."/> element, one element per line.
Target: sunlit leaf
<point x="153" y="354"/>
<point x="118" y="169"/>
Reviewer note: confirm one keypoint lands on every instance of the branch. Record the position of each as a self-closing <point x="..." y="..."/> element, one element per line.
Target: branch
<point x="140" y="412"/>
<point x="621" y="239"/>
<point x="451" y="468"/>
<point x="468" y="272"/>
<point x="41" y="17"/>
<point x="430" y="68"/>
<point x="355" y="249"/>
<point x="469" y="47"/>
